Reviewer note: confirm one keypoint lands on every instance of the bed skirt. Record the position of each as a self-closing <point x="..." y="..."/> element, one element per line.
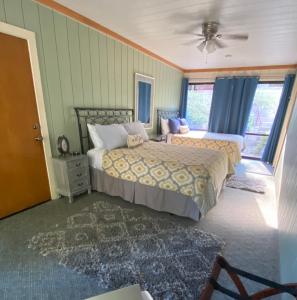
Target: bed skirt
<point x="153" y="197"/>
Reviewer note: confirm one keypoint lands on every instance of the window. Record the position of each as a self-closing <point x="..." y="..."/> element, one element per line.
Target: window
<point x="198" y="105"/>
<point x="262" y="115"/>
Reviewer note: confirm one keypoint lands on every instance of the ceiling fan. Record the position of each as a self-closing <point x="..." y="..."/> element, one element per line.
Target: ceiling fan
<point x="210" y="39"/>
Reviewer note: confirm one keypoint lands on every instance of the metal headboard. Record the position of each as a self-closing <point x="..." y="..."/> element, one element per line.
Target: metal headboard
<point x="102" y="116"/>
<point x="165" y="114"/>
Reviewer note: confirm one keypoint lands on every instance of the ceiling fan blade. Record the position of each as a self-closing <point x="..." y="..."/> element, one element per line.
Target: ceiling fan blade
<point x="210" y="47"/>
<point x="242" y="37"/>
<point x="219" y="44"/>
<point x="191" y="42"/>
<point x="202" y="46"/>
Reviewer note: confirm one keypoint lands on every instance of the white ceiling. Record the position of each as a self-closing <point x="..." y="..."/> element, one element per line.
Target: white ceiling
<point x="154" y="24"/>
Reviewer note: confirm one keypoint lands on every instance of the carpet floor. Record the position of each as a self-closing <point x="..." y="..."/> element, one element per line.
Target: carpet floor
<point x="245" y="221"/>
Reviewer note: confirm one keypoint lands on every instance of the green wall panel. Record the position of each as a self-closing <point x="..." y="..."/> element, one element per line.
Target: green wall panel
<point x="14" y="12"/>
<point x="84" y="45"/>
<point x="124" y="78"/>
<point x="95" y="67"/>
<point x="2" y="11"/>
<point x="83" y="67"/>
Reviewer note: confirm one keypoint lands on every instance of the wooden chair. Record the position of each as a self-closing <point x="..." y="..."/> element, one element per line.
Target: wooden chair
<point x="234" y="273"/>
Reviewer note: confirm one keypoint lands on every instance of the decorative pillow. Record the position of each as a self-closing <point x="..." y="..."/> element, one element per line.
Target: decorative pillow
<point x="184" y="129"/>
<point x="97" y="142"/>
<point x="165" y="126"/>
<point x="136" y="128"/>
<point x="174" y="125"/>
<point x="183" y="122"/>
<point x="113" y="136"/>
<point x="134" y="140"/>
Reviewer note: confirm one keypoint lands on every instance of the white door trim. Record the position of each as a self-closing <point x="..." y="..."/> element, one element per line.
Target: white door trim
<point x="30" y="37"/>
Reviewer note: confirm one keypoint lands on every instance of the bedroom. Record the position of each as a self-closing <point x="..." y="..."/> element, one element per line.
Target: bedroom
<point x="87" y="58"/>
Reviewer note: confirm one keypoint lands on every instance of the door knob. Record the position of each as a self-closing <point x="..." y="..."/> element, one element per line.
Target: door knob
<point x="38" y="138"/>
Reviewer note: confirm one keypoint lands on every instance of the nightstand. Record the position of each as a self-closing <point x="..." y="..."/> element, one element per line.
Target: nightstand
<point x="72" y="175"/>
<point x="157" y="137"/>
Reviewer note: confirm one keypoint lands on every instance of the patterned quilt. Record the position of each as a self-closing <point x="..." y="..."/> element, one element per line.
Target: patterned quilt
<point x="176" y="168"/>
<point x="230" y="148"/>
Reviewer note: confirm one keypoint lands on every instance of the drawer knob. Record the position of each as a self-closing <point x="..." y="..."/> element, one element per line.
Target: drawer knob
<point x="78" y="164"/>
<point x="80" y="184"/>
<point x="79" y="174"/>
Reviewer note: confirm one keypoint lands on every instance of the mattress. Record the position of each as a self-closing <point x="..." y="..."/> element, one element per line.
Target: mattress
<point x="179" y="169"/>
<point x="231" y="144"/>
<point x="238" y="139"/>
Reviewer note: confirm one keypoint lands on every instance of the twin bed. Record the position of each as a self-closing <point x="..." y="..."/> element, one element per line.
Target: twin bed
<point x="231" y="144"/>
<point x="178" y="179"/>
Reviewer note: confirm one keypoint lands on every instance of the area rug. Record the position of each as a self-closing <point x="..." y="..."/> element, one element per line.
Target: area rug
<point x="247" y="184"/>
<point x="120" y="246"/>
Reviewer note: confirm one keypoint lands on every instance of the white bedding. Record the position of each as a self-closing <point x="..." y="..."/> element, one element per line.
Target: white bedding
<point x="95" y="157"/>
<point x="213" y="136"/>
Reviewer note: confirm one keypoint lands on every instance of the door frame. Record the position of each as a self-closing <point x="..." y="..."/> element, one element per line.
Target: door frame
<point x="29" y="36"/>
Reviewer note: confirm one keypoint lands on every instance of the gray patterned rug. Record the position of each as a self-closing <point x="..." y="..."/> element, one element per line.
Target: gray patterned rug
<point x="120" y="246"/>
<point x="247" y="184"/>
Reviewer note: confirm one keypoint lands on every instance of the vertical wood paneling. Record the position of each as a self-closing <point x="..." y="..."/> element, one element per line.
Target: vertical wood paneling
<point x="287" y="214"/>
<point x="14" y="12"/>
<point x="140" y="62"/>
<point x="2" y="11"/>
<point x="65" y="80"/>
<point x="75" y="64"/>
<point x="135" y="61"/>
<point x="111" y="101"/>
<point x="85" y="58"/>
<point x="82" y="67"/>
<point x="118" y="73"/>
<point x="103" y="70"/>
<point x="124" y="77"/>
<point x="130" y="77"/>
<point x="95" y="68"/>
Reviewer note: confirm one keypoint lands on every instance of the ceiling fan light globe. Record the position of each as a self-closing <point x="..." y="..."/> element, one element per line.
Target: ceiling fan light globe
<point x="210" y="47"/>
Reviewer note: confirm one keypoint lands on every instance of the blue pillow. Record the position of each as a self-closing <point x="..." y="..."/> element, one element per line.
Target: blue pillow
<point x="183" y="122"/>
<point x="174" y="125"/>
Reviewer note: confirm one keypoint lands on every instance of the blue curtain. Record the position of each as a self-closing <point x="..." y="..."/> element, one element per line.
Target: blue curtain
<point x="184" y="98"/>
<point x="231" y="105"/>
<point x="271" y="145"/>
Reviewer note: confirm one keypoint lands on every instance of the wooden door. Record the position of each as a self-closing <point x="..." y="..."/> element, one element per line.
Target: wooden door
<point x="23" y="174"/>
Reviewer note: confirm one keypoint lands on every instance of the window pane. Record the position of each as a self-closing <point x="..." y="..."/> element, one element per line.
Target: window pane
<point x="264" y="107"/>
<point x="254" y="145"/>
<point x="262" y="115"/>
<point x="198" y="106"/>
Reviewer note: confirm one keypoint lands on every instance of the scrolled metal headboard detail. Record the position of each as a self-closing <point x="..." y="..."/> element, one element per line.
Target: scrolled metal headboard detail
<point x="102" y="116"/>
<point x="165" y="114"/>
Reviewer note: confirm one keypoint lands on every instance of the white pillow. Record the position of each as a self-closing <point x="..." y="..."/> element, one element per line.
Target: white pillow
<point x="165" y="126"/>
<point x="96" y="140"/>
<point x="113" y="136"/>
<point x="184" y="129"/>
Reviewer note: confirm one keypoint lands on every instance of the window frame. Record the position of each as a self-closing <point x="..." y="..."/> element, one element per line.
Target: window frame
<point x="201" y="83"/>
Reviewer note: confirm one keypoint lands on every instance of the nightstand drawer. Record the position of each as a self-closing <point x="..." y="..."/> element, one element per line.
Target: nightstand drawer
<point x="78" y="173"/>
<point x="77" y="163"/>
<point x="79" y="184"/>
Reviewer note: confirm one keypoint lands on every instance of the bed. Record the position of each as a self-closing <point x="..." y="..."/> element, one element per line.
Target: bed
<point x="165" y="177"/>
<point x="231" y="144"/>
